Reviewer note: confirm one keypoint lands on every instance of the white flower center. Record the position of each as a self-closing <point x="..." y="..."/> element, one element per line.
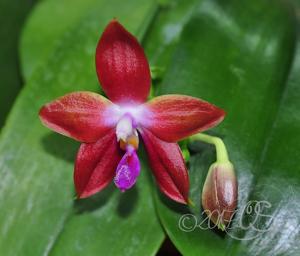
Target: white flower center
<point x="124" y="127"/>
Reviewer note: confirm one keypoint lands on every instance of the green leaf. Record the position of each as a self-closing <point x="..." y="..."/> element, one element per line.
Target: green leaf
<point x="49" y="21"/>
<point x="42" y="34"/>
<point x="38" y="213"/>
<point x="162" y="38"/>
<point x="238" y="54"/>
<point x="12" y="15"/>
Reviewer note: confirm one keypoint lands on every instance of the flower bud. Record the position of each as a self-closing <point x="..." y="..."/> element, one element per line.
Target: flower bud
<point x="219" y="194"/>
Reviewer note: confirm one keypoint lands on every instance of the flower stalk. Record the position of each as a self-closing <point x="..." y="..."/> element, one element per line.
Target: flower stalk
<point x="221" y="151"/>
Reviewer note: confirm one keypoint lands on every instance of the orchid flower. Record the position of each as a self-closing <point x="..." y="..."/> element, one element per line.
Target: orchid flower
<point x="110" y="129"/>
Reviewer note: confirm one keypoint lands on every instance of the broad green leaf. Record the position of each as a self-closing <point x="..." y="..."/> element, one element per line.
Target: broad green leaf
<point x="12" y="16"/>
<point x="163" y="36"/>
<point x="232" y="53"/>
<point x="42" y="32"/>
<point x="38" y="213"/>
<point x="50" y="20"/>
<point x="237" y="54"/>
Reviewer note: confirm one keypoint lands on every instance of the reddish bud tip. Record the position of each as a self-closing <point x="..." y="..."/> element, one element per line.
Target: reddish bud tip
<point x="219" y="195"/>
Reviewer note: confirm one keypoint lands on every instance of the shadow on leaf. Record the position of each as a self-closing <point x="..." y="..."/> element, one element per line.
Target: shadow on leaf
<point x="172" y="205"/>
<point x="127" y="202"/>
<point x="60" y="146"/>
<point x="94" y="202"/>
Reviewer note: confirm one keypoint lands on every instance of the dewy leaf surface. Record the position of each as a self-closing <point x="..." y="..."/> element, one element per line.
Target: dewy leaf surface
<point x="238" y="55"/>
<point x="38" y="213"/>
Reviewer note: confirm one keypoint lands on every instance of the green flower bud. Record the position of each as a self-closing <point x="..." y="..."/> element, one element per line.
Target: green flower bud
<point x="219" y="195"/>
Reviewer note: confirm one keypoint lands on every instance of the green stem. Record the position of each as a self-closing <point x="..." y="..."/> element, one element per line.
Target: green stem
<point x="156" y="72"/>
<point x="222" y="155"/>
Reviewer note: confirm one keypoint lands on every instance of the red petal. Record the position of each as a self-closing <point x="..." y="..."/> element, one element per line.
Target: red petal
<point x="83" y="116"/>
<point x="168" y="167"/>
<point x="96" y="165"/>
<point x="122" y="66"/>
<point x="174" y="117"/>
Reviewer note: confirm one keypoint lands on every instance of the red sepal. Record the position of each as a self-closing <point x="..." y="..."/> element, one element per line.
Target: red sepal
<point x="168" y="167"/>
<point x="122" y="66"/>
<point x="83" y="116"/>
<point x="96" y="165"/>
<point x="174" y="117"/>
